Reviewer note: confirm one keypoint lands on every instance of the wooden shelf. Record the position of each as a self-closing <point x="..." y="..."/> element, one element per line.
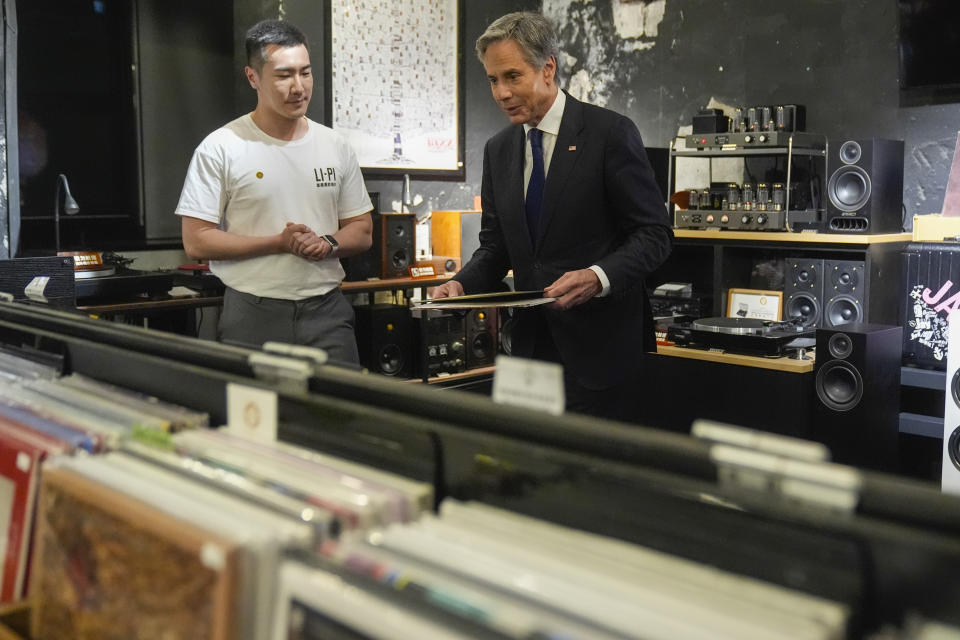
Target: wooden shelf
<point x="364" y="286"/>
<point x="786" y="236"/>
<point x="463" y="375"/>
<point x="790" y="365"/>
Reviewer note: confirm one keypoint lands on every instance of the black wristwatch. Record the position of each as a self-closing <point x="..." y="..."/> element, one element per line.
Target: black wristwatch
<point x="334" y="245"/>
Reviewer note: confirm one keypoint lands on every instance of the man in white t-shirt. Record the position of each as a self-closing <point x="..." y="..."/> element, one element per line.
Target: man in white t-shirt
<point x="273" y="200"/>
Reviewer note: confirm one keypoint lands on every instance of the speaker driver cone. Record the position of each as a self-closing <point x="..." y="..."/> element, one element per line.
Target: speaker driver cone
<point x="953" y="448"/>
<point x="391" y="360"/>
<point x="955" y="388"/>
<point x="839" y="385"/>
<point x="846" y="279"/>
<point x="805" y="307"/>
<point x="849" y="188"/>
<point x="401" y="260"/>
<point x="850" y="152"/>
<point x="840" y="346"/>
<point x="506" y="335"/>
<point x="482" y="345"/>
<point x="804" y="275"/>
<point x="841" y="310"/>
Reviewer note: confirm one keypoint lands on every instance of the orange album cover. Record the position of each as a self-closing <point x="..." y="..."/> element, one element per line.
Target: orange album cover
<point x="108" y="566"/>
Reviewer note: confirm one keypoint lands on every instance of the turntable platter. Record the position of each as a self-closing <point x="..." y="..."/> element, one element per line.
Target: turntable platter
<point x="732" y="326"/>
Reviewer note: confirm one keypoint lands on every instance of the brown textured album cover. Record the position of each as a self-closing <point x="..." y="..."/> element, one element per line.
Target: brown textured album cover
<point x="107" y="566"/>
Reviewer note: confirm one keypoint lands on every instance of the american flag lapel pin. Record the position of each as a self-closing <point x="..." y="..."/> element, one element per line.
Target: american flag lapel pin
<point x="572" y="147"/>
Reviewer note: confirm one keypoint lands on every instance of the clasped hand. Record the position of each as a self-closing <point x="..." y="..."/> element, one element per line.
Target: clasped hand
<point x="301" y="241"/>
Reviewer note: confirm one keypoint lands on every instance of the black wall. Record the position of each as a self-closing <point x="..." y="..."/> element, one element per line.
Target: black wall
<point x="839" y="57"/>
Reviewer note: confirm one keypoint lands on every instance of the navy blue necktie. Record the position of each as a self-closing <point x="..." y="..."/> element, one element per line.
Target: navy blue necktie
<point x="534" y="201"/>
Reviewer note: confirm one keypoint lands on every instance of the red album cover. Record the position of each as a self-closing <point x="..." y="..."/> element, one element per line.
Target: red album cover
<point x="19" y="475"/>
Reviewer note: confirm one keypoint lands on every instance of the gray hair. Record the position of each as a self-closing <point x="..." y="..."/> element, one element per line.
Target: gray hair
<point x="530" y="30"/>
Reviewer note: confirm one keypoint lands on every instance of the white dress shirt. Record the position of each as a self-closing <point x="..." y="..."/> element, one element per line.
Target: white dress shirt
<point x="550" y="126"/>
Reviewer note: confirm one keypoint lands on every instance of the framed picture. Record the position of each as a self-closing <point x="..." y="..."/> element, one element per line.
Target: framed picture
<point x="394" y="85"/>
<point x="754" y="303"/>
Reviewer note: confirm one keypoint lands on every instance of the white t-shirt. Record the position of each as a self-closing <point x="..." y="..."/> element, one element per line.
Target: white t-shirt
<point x="252" y="184"/>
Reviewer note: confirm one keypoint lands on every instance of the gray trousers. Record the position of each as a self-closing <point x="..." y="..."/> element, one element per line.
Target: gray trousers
<point x="325" y="322"/>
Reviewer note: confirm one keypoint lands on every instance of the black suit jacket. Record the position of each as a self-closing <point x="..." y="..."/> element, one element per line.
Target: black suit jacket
<point x="601" y="206"/>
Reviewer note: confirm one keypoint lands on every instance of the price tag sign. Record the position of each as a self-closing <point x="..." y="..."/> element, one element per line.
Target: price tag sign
<point x="422" y="272"/>
<point x="35" y="289"/>
<point x="529" y="383"/>
<point x="251" y="413"/>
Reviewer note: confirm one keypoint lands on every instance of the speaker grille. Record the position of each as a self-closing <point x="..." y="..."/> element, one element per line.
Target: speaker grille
<point x="839" y="385"/>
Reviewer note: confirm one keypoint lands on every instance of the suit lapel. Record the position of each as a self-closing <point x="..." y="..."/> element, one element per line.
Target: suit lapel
<point x="566" y="151"/>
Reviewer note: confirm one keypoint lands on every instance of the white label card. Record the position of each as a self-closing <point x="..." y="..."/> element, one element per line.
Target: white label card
<point x="251" y="413"/>
<point x="529" y="383"/>
<point x="34" y="290"/>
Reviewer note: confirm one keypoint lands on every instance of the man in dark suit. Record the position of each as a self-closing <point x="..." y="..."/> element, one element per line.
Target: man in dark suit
<point x="571" y="205"/>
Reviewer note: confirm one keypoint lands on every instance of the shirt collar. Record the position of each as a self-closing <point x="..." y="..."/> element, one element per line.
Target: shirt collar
<point x="551" y="121"/>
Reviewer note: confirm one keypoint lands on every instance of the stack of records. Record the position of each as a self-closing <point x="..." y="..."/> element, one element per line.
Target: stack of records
<point x="42" y="416"/>
<point x="185" y="541"/>
<point x="476" y="571"/>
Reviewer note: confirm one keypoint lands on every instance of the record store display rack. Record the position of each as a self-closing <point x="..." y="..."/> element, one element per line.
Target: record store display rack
<point x="390" y="510"/>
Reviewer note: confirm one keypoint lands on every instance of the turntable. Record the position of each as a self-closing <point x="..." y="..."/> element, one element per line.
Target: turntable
<point x="749" y="336"/>
<point x="106" y="277"/>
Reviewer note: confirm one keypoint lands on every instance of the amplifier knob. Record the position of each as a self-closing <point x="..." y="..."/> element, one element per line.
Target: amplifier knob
<point x="724" y="219"/>
<point x="745" y="219"/>
<point x="762" y="138"/>
<point x="748" y="138"/>
<point x="710" y="217"/>
<point x="762" y="219"/>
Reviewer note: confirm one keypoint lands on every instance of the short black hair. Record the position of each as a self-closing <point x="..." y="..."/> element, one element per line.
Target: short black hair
<point x="267" y="32"/>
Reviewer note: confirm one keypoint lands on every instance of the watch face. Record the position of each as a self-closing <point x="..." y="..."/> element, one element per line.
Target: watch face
<point x="333" y="241"/>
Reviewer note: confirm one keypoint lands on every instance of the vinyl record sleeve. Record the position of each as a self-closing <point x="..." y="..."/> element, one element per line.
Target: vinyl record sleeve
<point x="71" y="437"/>
<point x="19" y="475"/>
<point x="402" y="499"/>
<point x="308" y="595"/>
<point x="495" y="299"/>
<point x="109" y="566"/>
<point x="255" y="538"/>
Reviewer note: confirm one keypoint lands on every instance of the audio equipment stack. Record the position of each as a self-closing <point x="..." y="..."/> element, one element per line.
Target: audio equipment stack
<point x="857" y="383"/>
<point x="439" y="337"/>
<point x="774" y="200"/>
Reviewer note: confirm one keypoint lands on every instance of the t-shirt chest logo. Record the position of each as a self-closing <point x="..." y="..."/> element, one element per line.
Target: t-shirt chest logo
<point x="325" y="177"/>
